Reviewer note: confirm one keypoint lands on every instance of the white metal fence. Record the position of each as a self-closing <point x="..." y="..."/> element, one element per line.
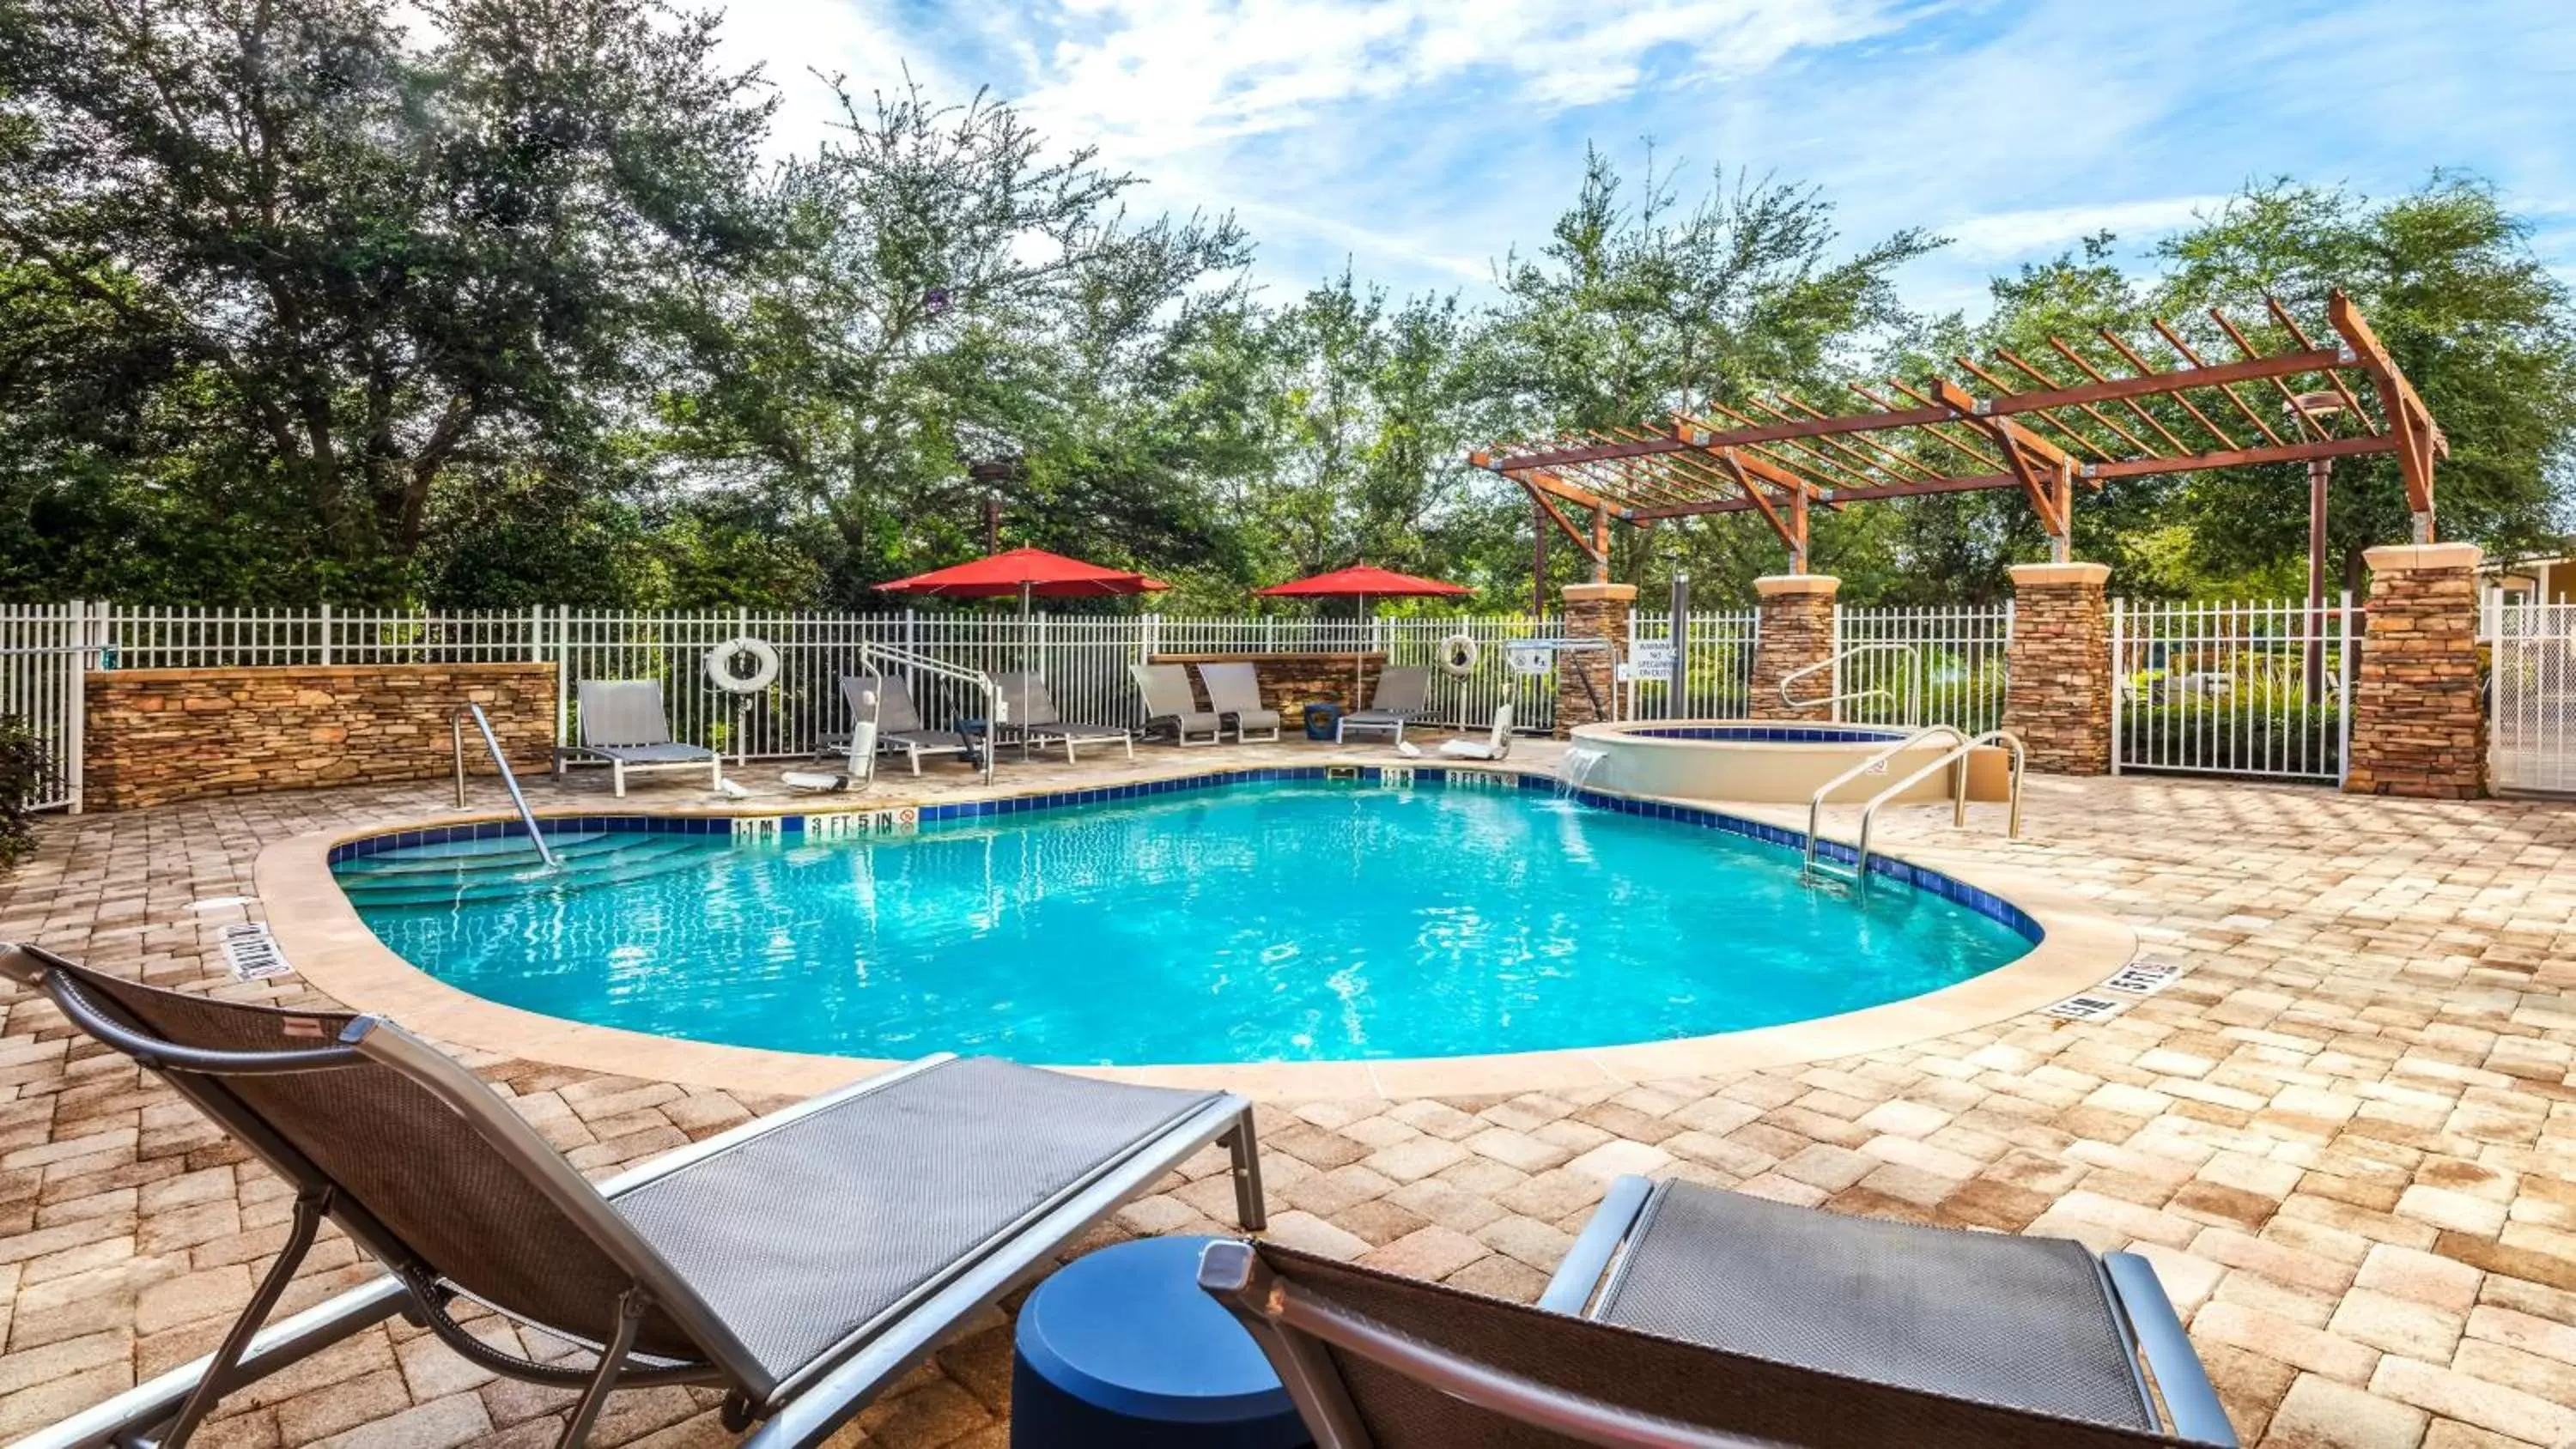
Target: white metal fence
<point x="1919" y="666"/>
<point x="1718" y="666"/>
<point x="1084" y="658"/>
<point x="2253" y="689"/>
<point x="41" y="663"/>
<point x="2531" y="698"/>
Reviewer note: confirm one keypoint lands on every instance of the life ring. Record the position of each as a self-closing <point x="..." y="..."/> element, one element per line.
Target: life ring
<point x="764" y="665"/>
<point x="1458" y="655"/>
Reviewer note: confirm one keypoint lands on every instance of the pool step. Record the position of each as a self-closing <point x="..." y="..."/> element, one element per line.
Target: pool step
<point x="504" y="853"/>
<point x="636" y="857"/>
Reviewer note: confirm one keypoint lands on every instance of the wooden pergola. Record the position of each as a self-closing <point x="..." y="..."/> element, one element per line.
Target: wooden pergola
<point x="1781" y="456"/>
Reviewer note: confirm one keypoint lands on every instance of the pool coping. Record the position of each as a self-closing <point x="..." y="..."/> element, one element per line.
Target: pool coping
<point x="321" y="934"/>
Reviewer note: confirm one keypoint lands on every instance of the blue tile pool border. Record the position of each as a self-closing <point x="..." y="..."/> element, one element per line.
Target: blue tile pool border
<point x="1984" y="903"/>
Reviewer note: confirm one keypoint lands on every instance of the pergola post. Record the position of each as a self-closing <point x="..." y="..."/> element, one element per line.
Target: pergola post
<point x="1795" y="631"/>
<point x="2418" y="726"/>
<point x="2057" y="694"/>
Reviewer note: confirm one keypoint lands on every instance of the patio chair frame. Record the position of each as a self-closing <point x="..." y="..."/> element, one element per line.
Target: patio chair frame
<point x="1251" y="678"/>
<point x="1385" y="719"/>
<point x="1184" y="722"/>
<point x="620" y="758"/>
<point x="801" y="1408"/>
<point x="1300" y="1333"/>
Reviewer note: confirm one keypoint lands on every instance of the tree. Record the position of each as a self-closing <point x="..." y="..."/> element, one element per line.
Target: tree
<point x="1636" y="309"/>
<point x="377" y="270"/>
<point x="2481" y="327"/>
<point x="948" y="295"/>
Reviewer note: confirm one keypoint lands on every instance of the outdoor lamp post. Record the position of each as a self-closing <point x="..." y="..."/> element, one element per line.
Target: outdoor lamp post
<point x="2310" y="409"/>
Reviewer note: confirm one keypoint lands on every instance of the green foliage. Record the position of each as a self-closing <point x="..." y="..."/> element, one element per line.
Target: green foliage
<point x="309" y="300"/>
<point x="22" y="774"/>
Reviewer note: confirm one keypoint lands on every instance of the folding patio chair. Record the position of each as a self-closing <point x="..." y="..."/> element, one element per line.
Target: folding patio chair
<point x="1032" y="717"/>
<point x="1166" y="690"/>
<point x="801" y="1262"/>
<point x="622" y="724"/>
<point x="1234" y="692"/>
<point x="1725" y="1321"/>
<point x="1402" y="696"/>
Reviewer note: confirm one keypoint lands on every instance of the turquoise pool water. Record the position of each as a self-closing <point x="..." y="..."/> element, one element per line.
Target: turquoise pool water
<point x="1256" y="922"/>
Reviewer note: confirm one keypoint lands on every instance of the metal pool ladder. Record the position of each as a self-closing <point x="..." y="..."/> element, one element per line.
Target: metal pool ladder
<point x="509" y="781"/>
<point x="1954" y="758"/>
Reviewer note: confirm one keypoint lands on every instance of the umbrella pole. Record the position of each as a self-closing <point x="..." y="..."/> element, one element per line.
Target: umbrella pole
<point x="1359" y="664"/>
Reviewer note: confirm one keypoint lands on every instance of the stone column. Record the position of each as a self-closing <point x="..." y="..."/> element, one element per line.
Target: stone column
<point x="2058" y="693"/>
<point x="1592" y="611"/>
<point x="2418" y="728"/>
<point x="1796" y="629"/>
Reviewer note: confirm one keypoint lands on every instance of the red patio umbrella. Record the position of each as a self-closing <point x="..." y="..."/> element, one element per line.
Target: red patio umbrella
<point x="1363" y="582"/>
<point x="1026" y="572"/>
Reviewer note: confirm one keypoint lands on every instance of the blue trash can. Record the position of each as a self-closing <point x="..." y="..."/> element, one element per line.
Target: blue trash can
<point x="1123" y="1348"/>
<point x="1322" y="719"/>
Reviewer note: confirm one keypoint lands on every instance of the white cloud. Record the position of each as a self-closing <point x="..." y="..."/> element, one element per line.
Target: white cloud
<point x="2008" y="235"/>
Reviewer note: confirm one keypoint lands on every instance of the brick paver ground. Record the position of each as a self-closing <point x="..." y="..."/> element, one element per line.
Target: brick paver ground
<point x="2347" y="1138"/>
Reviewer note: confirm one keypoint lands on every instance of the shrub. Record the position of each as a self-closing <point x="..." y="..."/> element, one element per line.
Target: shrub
<point x="23" y="771"/>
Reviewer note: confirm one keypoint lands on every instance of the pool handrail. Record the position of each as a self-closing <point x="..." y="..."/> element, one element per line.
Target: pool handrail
<point x="1816" y="802"/>
<point x="509" y="780"/>
<point x="1957" y="754"/>
<point x="981" y="681"/>
<point x="1913" y="680"/>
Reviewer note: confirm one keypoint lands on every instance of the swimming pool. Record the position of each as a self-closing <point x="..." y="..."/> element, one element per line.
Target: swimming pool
<point x="1230" y="921"/>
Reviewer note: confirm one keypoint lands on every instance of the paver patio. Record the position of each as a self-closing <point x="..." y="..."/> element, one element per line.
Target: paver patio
<point x="2347" y="1137"/>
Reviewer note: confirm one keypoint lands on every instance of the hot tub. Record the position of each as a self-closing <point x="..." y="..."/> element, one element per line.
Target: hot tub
<point x="1772" y="761"/>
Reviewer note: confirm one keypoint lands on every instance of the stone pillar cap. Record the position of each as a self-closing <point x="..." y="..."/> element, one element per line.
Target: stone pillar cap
<point x="2030" y="576"/>
<point x="1600" y="593"/>
<point x="1771" y="584"/>
<point x="2422" y="556"/>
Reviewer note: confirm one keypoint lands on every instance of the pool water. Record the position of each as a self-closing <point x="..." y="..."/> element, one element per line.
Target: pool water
<point x="1251" y="923"/>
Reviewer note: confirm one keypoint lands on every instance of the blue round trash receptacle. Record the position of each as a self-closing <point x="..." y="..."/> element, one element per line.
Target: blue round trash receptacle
<point x="1122" y="1348"/>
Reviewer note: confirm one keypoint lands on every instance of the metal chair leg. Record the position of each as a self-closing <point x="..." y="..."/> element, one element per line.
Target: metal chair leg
<point x="612" y="1358"/>
<point x="310" y="1206"/>
<point x="1249" y="1210"/>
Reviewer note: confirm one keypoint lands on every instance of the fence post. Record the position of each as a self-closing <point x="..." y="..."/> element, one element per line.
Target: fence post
<point x="2119" y="672"/>
<point x="563" y="673"/>
<point x="324" y="619"/>
<point x="76" y="632"/>
<point x="2343" y="715"/>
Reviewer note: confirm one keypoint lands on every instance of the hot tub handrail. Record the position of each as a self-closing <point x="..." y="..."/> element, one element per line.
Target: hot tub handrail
<point x="1816" y="802"/>
<point x="1913" y="678"/>
<point x="1959" y="800"/>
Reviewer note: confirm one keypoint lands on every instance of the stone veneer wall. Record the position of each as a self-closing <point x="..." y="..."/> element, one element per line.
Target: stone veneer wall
<point x="1290" y="682"/>
<point x="1592" y="611"/>
<point x="158" y="735"/>
<point x="1796" y="631"/>
<point x="2058" y="693"/>
<point x="2418" y="728"/>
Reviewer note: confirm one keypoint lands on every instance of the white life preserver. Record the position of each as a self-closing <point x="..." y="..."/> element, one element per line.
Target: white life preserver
<point x="1458" y="655"/>
<point x="764" y="665"/>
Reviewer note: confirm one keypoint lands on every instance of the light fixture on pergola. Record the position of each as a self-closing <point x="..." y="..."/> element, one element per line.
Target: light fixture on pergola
<point x="1781" y="456"/>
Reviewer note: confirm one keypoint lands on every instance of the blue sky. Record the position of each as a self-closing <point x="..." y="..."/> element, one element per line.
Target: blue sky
<point x="1423" y="140"/>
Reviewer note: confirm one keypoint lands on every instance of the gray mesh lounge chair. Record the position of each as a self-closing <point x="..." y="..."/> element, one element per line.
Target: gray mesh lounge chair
<point x="1401" y="697"/>
<point x="899" y="727"/>
<point x="801" y="1262"/>
<point x="1166" y="688"/>
<point x="1728" y="1320"/>
<point x="623" y="726"/>
<point x="1029" y="713"/>
<point x="1234" y="691"/>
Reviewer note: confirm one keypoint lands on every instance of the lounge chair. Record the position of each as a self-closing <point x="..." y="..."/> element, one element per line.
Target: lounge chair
<point x="1494" y="746"/>
<point x="1402" y="696"/>
<point x="886" y="699"/>
<point x="1690" y="1318"/>
<point x="622" y="724"/>
<point x="1166" y="688"/>
<point x="1029" y="714"/>
<point x="801" y="1262"/>
<point x="1234" y="691"/>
